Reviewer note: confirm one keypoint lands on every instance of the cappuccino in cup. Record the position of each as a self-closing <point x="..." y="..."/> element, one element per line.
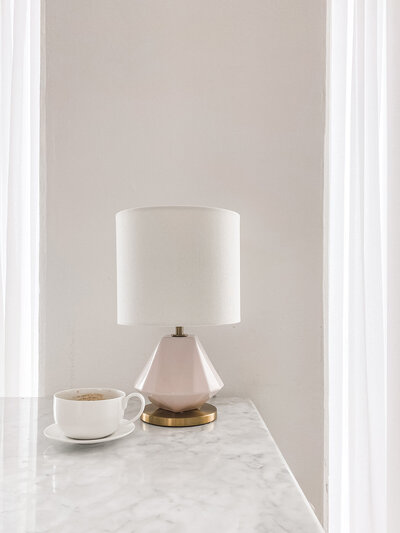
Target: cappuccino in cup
<point x="92" y="413"/>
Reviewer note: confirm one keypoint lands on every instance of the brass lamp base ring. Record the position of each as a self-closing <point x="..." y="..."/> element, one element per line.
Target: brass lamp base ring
<point x="196" y="417"/>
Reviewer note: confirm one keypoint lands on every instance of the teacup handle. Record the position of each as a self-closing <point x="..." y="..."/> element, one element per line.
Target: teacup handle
<point x="126" y="399"/>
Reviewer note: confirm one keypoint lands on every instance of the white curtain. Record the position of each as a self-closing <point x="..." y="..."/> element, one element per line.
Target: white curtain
<point x="19" y="195"/>
<point x="363" y="262"/>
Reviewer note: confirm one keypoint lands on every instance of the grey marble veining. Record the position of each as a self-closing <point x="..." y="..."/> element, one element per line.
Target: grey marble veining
<point x="227" y="476"/>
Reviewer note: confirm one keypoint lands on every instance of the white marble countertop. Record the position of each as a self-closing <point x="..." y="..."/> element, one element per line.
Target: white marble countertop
<point x="227" y="476"/>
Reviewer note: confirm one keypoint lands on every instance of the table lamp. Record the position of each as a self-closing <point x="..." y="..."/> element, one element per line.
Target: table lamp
<point x="178" y="266"/>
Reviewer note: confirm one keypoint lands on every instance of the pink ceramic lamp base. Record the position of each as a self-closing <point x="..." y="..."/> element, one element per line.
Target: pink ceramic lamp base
<point x="179" y="376"/>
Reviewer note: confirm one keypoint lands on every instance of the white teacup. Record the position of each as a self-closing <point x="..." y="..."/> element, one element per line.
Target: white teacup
<point x="92" y="413"/>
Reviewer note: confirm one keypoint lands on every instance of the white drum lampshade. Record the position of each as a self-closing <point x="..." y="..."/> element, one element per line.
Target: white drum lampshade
<point x="178" y="266"/>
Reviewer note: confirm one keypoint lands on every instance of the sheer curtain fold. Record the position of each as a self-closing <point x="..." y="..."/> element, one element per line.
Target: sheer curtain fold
<point x="363" y="274"/>
<point x="19" y="189"/>
<point x="357" y="266"/>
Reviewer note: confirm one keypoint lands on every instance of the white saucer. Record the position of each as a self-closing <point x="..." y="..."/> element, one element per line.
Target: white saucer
<point x="54" y="432"/>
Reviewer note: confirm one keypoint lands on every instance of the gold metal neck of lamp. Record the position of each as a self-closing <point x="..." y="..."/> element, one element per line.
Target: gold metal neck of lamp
<point x="179" y="332"/>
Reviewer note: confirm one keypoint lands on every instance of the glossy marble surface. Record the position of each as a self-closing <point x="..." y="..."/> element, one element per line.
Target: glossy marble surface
<point x="227" y="476"/>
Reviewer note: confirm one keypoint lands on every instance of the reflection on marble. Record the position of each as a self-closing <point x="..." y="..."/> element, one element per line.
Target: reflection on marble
<point x="227" y="476"/>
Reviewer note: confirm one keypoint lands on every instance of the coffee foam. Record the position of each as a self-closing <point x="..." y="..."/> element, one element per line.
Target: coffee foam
<point x="89" y="397"/>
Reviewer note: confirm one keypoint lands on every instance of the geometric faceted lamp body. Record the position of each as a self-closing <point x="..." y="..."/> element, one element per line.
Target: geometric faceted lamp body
<point x="178" y="266"/>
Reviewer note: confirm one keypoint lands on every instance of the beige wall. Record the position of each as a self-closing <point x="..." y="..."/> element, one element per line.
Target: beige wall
<point x="204" y="102"/>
